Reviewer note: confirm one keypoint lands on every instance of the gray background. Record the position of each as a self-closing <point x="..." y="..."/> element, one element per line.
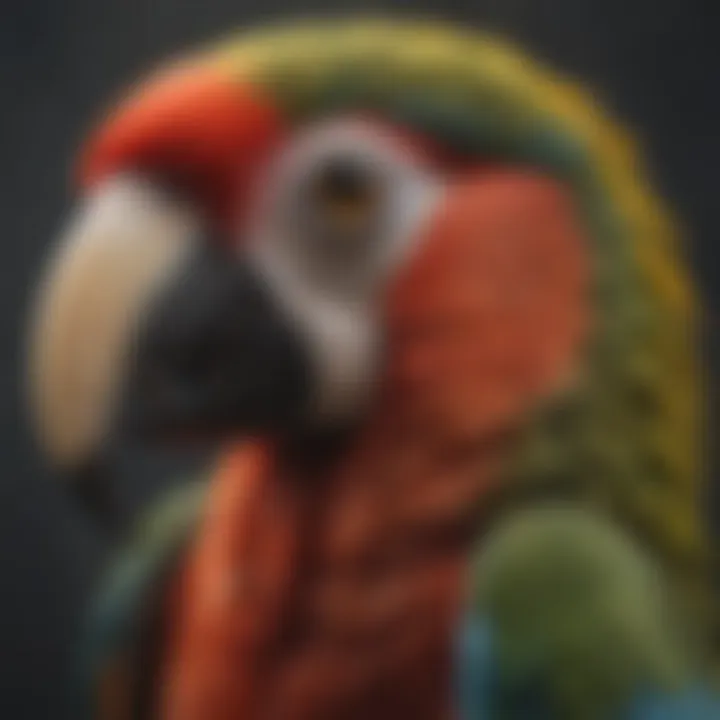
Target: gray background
<point x="654" y="61"/>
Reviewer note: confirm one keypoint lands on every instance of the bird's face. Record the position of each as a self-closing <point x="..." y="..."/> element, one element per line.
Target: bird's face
<point x="361" y="270"/>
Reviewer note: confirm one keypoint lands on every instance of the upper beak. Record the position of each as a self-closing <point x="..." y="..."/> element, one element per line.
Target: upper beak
<point x="132" y="326"/>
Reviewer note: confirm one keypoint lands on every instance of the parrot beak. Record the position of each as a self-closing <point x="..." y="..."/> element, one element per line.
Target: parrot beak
<point x="135" y="330"/>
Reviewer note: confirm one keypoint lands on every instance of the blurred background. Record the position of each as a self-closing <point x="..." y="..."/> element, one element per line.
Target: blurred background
<point x="656" y="63"/>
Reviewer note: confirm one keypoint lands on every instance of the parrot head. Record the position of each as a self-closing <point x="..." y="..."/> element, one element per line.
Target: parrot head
<point x="377" y="223"/>
<point x="258" y="278"/>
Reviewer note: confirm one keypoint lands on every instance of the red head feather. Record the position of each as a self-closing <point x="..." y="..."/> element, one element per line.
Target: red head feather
<point x="195" y="129"/>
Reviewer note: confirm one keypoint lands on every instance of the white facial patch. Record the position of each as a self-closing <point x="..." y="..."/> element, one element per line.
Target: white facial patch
<point x="337" y="313"/>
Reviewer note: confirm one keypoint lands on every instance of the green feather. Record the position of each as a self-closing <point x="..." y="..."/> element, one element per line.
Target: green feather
<point x="579" y="609"/>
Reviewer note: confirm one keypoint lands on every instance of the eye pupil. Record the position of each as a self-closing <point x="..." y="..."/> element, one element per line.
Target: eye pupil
<point x="345" y="192"/>
<point x="344" y="180"/>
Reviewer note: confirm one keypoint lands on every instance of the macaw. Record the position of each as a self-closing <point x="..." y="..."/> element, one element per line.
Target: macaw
<point x="418" y="290"/>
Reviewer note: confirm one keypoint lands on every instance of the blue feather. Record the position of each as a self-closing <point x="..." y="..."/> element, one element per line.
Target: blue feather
<point x="474" y="670"/>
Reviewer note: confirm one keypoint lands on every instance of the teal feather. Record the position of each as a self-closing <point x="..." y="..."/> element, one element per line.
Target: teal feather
<point x="115" y="620"/>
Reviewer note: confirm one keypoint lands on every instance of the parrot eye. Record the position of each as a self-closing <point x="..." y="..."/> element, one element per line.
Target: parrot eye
<point x="339" y="205"/>
<point x="341" y="212"/>
<point x="345" y="197"/>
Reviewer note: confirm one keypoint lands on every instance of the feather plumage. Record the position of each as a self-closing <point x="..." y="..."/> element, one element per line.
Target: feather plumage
<point x="625" y="437"/>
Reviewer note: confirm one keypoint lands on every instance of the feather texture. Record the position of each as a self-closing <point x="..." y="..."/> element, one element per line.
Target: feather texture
<point x="624" y="438"/>
<point x="629" y="436"/>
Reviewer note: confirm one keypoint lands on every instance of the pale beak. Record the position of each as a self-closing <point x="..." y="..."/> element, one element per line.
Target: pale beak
<point x="124" y="243"/>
